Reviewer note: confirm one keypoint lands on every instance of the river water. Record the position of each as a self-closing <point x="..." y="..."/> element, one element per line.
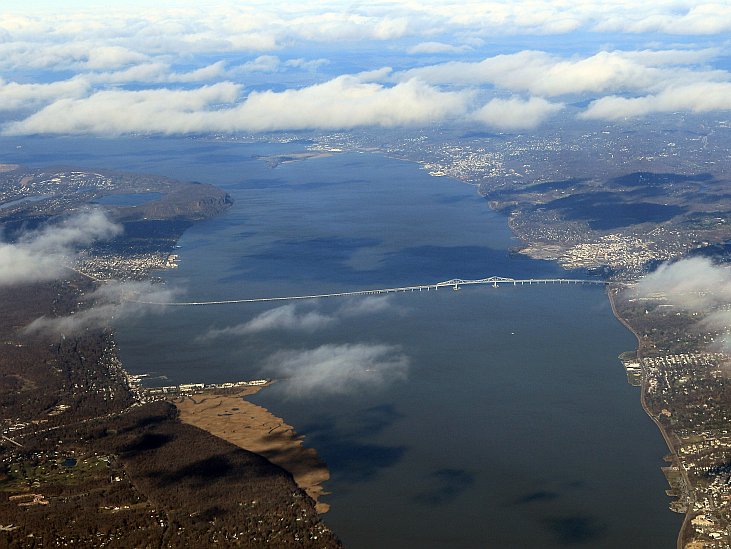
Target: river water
<point x="480" y="418"/>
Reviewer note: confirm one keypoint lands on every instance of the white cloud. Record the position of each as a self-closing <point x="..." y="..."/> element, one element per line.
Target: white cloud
<point x="263" y="63"/>
<point x="436" y="47"/>
<point x="113" y="301"/>
<point x="291" y="317"/>
<point x="46" y="254"/>
<point x="697" y="97"/>
<point x="697" y="285"/>
<point x="15" y="96"/>
<point x="147" y="45"/>
<point x="306" y="64"/>
<point x="286" y="317"/>
<point x="337" y="369"/>
<point x="544" y="74"/>
<point x="105" y="57"/>
<point x="120" y="111"/>
<point x="365" y="306"/>
<point x="516" y="113"/>
<point x="157" y="73"/>
<point x="700" y="18"/>
<point x="272" y="63"/>
<point x="344" y="102"/>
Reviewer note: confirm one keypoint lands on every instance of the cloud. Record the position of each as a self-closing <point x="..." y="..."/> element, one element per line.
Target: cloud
<point x="697" y="285"/>
<point x="286" y="317"/>
<point x="436" y="47"/>
<point x="91" y="51"/>
<point x="38" y="33"/>
<point x="700" y="18"/>
<point x="697" y="97"/>
<point x="263" y="63"/>
<point x="343" y="102"/>
<point x="105" y="57"/>
<point x="290" y="317"/>
<point x="365" y="306"/>
<point x="337" y="369"/>
<point x="113" y="301"/>
<point x="544" y="74"/>
<point x="46" y="254"/>
<point x="516" y="113"/>
<point x="120" y="111"/>
<point x="156" y="72"/>
<point x="15" y="96"/>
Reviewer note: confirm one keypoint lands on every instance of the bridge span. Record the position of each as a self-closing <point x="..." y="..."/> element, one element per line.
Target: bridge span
<point x="454" y="284"/>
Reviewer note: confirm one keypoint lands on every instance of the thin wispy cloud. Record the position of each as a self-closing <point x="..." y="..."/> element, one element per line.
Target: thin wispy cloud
<point x="436" y="47"/>
<point x="112" y="301"/>
<point x="697" y="285"/>
<point x="301" y="318"/>
<point x="337" y="369"/>
<point x="46" y="254"/>
<point x="287" y="317"/>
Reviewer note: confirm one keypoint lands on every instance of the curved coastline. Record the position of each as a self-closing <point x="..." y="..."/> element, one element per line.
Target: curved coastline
<point x="229" y="416"/>
<point x="611" y="293"/>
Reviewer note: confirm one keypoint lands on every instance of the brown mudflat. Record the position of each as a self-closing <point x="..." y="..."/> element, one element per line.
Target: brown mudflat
<point x="230" y="417"/>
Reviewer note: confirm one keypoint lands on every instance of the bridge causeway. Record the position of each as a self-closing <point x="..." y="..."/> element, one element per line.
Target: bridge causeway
<point x="455" y="284"/>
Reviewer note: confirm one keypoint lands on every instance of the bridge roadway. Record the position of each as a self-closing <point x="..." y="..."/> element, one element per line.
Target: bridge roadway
<point x="455" y="284"/>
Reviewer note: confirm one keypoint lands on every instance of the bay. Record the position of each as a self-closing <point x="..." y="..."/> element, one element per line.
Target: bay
<point x="514" y="424"/>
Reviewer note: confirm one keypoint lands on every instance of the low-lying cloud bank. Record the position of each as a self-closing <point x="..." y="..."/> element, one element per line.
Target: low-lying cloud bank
<point x="637" y="83"/>
<point x="337" y="369"/>
<point x="113" y="301"/>
<point x="697" y="285"/>
<point x="340" y="103"/>
<point x="47" y="253"/>
<point x="699" y="97"/>
<point x="516" y="114"/>
<point x="221" y="67"/>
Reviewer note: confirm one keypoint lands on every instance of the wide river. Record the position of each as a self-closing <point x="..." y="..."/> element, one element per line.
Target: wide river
<point x="479" y="418"/>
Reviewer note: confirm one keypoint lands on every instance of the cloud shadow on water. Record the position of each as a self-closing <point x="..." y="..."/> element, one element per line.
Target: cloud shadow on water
<point x="445" y="485"/>
<point x="536" y="497"/>
<point x="575" y="529"/>
<point x="357" y="462"/>
<point x="341" y="445"/>
<point x="374" y="420"/>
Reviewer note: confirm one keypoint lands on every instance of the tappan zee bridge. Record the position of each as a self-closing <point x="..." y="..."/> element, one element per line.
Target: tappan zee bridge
<point x="454" y="284"/>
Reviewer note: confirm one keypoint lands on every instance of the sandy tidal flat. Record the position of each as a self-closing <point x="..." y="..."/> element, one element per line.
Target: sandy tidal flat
<point x="253" y="428"/>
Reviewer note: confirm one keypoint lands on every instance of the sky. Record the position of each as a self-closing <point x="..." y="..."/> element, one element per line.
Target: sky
<point x="183" y="67"/>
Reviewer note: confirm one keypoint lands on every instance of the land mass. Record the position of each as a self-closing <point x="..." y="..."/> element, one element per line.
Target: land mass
<point x="229" y="416"/>
<point x="84" y="459"/>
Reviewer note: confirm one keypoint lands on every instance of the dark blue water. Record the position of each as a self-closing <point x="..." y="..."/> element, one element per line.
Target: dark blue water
<point x="502" y="417"/>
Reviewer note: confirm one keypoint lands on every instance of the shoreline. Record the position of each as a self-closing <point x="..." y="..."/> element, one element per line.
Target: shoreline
<point x="229" y="416"/>
<point x="611" y="293"/>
